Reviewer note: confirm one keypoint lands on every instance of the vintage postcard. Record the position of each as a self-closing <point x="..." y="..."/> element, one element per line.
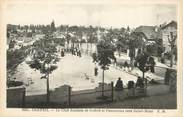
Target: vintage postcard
<point x="78" y="58"/>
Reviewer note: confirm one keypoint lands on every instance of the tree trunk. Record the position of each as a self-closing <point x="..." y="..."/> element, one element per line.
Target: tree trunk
<point x="143" y="77"/>
<point x="103" y="83"/>
<point x="145" y="84"/>
<point x="171" y="58"/>
<point x="73" y="44"/>
<point x="87" y="47"/>
<point x="48" y="92"/>
<point x="119" y="51"/>
<point x="91" y="47"/>
<point x="131" y="63"/>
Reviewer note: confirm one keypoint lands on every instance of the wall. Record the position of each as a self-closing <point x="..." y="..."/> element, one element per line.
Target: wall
<point x="15" y="96"/>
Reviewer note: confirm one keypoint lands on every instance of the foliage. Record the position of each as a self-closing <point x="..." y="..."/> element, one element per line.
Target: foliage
<point x="44" y="53"/>
<point x="142" y="62"/>
<point x="135" y="40"/>
<point x="105" y="53"/>
<point x="159" y="49"/>
<point x="167" y="55"/>
<point x="15" y="57"/>
<point x="152" y="49"/>
<point x="121" y="43"/>
<point x="59" y="41"/>
<point x="12" y="44"/>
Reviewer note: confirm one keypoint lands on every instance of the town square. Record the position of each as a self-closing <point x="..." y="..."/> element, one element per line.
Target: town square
<point x="103" y="57"/>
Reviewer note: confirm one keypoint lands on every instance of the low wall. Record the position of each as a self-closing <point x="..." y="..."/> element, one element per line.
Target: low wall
<point x="61" y="94"/>
<point x="15" y="97"/>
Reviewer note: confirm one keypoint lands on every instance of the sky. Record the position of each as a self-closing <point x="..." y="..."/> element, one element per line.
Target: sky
<point x="97" y="15"/>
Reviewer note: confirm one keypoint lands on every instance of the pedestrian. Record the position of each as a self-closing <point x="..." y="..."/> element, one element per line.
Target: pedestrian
<point x="72" y="51"/>
<point x="76" y="51"/>
<point x="139" y="82"/>
<point x="135" y="63"/>
<point x="167" y="76"/>
<point x="126" y="66"/>
<point x="162" y="58"/>
<point x="79" y="53"/>
<point x="119" y="85"/>
<point x="96" y="71"/>
<point x="152" y="64"/>
<point x="115" y="61"/>
<point x="62" y="53"/>
<point x="94" y="56"/>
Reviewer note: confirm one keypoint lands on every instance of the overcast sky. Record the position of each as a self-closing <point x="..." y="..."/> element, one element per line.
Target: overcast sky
<point x="103" y="15"/>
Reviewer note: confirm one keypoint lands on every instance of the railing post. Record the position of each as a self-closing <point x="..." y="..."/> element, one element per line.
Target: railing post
<point x="69" y="96"/>
<point x="112" y="91"/>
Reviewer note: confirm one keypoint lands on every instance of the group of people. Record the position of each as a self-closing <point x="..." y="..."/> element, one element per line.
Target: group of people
<point x="126" y="66"/>
<point x="150" y="63"/>
<point x="76" y="51"/>
<point x="139" y="83"/>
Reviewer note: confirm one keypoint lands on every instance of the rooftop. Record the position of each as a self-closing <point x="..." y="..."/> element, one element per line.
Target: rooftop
<point x="150" y="32"/>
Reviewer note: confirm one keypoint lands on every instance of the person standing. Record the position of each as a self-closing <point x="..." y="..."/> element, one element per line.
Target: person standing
<point x="152" y="64"/>
<point x="79" y="53"/>
<point x="119" y="84"/>
<point x="62" y="53"/>
<point x="96" y="71"/>
<point x="139" y="82"/>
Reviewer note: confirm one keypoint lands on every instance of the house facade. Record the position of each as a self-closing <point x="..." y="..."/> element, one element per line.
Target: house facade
<point x="150" y="35"/>
<point x="167" y="30"/>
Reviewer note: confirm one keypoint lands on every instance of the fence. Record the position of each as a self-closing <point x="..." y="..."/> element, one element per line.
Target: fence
<point x="64" y="96"/>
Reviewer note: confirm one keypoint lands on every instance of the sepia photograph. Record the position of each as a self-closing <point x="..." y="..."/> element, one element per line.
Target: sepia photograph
<point x="112" y="56"/>
<point x="88" y="56"/>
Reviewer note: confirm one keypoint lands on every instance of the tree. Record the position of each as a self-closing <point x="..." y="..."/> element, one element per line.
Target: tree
<point x="44" y="58"/>
<point x="151" y="48"/>
<point x="15" y="57"/>
<point x="68" y="37"/>
<point x="131" y="51"/>
<point x="105" y="54"/>
<point x="91" y="36"/>
<point x="160" y="49"/>
<point x="12" y="44"/>
<point x="172" y="39"/>
<point x="121" y="43"/>
<point x="134" y="41"/>
<point x="143" y="64"/>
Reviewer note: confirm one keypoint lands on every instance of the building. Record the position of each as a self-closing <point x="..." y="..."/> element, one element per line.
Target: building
<point x="167" y="30"/>
<point x="149" y="33"/>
